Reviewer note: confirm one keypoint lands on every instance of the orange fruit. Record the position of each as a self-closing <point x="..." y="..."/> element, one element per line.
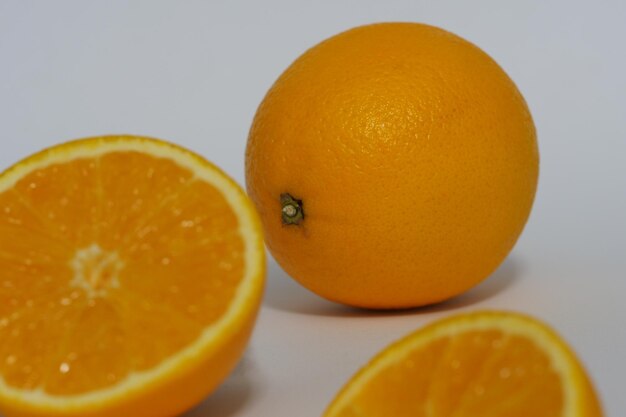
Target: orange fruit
<point x="488" y="364"/>
<point x="131" y="272"/>
<point x="393" y="165"/>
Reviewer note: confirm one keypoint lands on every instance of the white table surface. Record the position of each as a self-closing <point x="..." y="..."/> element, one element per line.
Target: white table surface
<point x="193" y="72"/>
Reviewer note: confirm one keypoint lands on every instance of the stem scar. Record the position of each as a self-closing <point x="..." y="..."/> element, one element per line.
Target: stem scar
<point x="291" y="209"/>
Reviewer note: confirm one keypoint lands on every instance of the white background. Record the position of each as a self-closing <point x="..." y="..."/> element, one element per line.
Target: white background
<point x="193" y="72"/>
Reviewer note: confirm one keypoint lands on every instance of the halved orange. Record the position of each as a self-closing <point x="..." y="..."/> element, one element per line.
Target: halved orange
<point x="487" y="364"/>
<point x="131" y="272"/>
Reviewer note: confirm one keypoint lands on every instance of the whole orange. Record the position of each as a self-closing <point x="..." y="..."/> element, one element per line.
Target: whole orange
<point x="393" y="165"/>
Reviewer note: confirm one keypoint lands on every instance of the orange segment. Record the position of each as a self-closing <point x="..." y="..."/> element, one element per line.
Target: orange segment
<point x="127" y="266"/>
<point x="479" y="364"/>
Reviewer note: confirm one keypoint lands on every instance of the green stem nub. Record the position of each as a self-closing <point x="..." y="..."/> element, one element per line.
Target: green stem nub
<point x="291" y="209"/>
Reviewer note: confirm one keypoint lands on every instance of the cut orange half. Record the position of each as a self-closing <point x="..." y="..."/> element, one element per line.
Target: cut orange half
<point x="131" y="272"/>
<point x="487" y="364"/>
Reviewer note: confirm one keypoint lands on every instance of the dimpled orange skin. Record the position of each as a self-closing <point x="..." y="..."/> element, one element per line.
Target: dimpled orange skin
<point x="414" y="155"/>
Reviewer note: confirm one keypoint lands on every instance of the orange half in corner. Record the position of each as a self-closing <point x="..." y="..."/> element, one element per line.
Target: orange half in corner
<point x="486" y="364"/>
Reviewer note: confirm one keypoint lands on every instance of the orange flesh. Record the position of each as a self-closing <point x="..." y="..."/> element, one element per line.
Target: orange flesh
<point x="108" y="266"/>
<point x="475" y="373"/>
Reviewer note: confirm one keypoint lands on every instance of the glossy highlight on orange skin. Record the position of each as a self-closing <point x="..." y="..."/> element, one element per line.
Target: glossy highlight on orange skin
<point x="115" y="259"/>
<point x="415" y="158"/>
<point x="488" y="364"/>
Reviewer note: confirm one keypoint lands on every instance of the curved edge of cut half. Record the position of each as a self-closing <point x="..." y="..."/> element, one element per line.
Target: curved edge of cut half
<point x="579" y="397"/>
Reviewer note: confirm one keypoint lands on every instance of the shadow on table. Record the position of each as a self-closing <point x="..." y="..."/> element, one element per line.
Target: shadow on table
<point x="229" y="398"/>
<point x="283" y="293"/>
